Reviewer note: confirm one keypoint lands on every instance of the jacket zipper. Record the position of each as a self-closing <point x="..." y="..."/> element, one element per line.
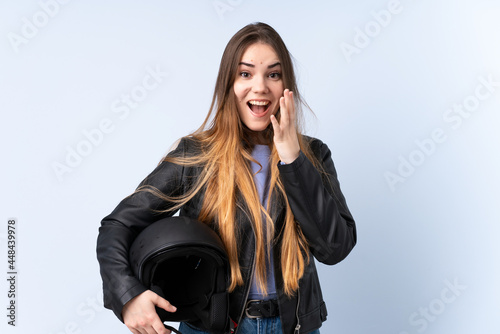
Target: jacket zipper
<point x="297" y="327"/>
<point x="247" y="290"/>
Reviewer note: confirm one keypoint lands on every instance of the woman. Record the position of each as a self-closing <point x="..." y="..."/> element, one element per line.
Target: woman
<point x="270" y="193"/>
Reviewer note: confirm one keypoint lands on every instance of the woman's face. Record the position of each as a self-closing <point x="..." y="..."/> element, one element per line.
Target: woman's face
<point x="258" y="86"/>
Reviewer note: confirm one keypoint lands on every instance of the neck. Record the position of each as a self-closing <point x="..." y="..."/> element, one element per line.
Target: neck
<point x="258" y="137"/>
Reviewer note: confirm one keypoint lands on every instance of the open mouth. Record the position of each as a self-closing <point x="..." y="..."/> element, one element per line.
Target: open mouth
<point x="259" y="107"/>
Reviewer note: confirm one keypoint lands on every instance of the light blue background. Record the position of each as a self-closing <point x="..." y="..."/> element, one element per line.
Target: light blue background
<point x="439" y="227"/>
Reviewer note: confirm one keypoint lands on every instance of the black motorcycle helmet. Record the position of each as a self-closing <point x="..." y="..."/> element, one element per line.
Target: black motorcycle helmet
<point x="184" y="261"/>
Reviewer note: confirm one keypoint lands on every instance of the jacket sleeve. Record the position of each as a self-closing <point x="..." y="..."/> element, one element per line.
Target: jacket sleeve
<point x="319" y="206"/>
<point x="119" y="229"/>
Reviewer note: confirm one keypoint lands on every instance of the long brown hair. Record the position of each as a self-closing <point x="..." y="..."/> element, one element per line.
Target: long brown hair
<point x="227" y="178"/>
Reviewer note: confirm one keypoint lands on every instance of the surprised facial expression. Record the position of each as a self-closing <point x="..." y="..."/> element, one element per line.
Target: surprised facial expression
<point x="258" y="86"/>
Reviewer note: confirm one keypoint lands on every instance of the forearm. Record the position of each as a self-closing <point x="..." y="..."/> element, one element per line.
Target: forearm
<point x="319" y="207"/>
<point x="119" y="229"/>
<point x="119" y="283"/>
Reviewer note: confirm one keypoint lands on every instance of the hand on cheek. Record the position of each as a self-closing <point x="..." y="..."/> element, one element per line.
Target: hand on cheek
<point x="285" y="133"/>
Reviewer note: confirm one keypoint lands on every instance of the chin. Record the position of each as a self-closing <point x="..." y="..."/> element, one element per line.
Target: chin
<point x="257" y="126"/>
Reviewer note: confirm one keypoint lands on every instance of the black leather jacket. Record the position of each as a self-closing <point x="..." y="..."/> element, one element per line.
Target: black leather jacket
<point x="317" y="204"/>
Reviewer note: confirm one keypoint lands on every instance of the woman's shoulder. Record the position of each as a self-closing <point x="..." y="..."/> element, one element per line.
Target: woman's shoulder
<point x="187" y="144"/>
<point x="314" y="144"/>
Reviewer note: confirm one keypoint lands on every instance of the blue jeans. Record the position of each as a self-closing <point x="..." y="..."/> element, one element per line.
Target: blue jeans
<point x="247" y="326"/>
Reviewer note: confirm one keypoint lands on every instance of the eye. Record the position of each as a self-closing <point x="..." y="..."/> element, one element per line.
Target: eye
<point x="244" y="74"/>
<point x="275" y="75"/>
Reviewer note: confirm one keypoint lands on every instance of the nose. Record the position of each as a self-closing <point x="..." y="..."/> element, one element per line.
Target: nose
<point x="260" y="85"/>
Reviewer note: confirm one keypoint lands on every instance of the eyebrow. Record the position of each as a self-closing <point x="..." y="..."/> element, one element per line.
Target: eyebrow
<point x="252" y="65"/>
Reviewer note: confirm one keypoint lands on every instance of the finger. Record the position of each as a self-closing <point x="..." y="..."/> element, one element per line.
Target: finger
<point x="133" y="330"/>
<point x="136" y="328"/>
<point x="152" y="330"/>
<point x="144" y="327"/>
<point x="139" y="330"/>
<point x="276" y="126"/>
<point x="164" y="304"/>
<point x="143" y="323"/>
<point x="156" y="327"/>
<point x="284" y="111"/>
<point x="289" y="103"/>
<point x="291" y="109"/>
<point x="160" y="328"/>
